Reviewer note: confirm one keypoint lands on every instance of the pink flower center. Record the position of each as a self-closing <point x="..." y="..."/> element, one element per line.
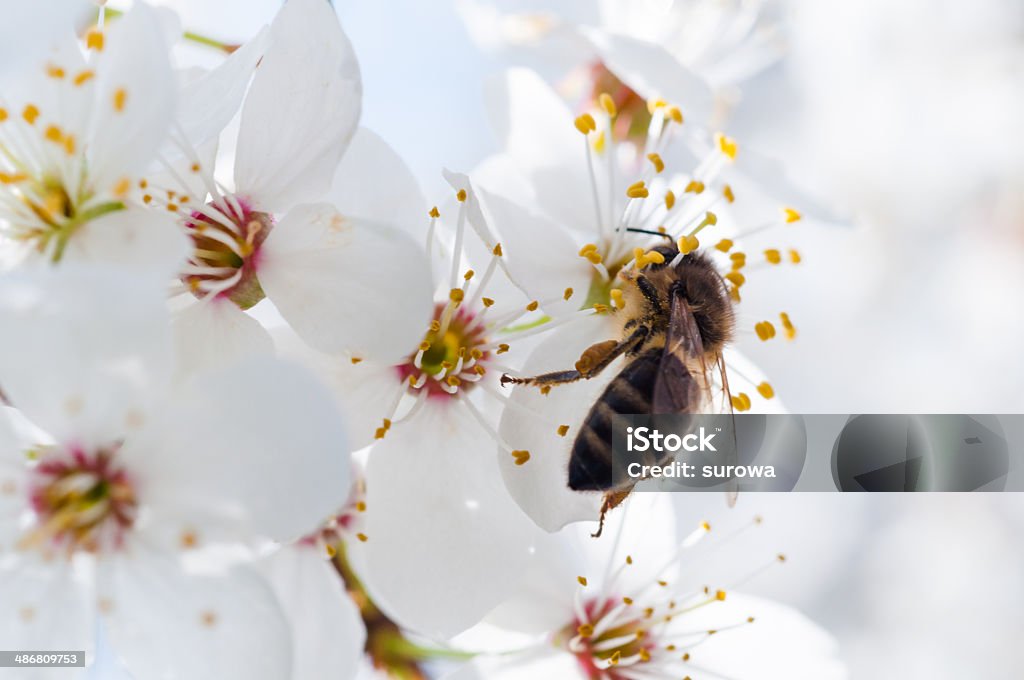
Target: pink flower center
<point x="226" y="236"/>
<point x="452" y="356"/>
<point x="82" y="500"/>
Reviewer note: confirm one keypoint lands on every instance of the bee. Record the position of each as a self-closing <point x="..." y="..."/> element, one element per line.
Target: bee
<point x="677" y="316"/>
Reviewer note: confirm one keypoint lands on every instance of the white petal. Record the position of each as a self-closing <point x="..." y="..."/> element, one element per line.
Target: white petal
<point x="347" y="286"/>
<point x="541" y="662"/>
<point x="254" y="450"/>
<point x="540" y="254"/>
<point x="374" y="183"/>
<point x="365" y="390"/>
<point x="134" y="75"/>
<point x="213" y="333"/>
<point x="166" y="623"/>
<point x="210" y="101"/>
<point x="536" y="129"/>
<point x="14" y="491"/>
<point x="653" y="73"/>
<point x="148" y="240"/>
<point x="540" y="486"/>
<point x="327" y="630"/>
<point x="781" y="643"/>
<point x="45" y="605"/>
<point x="31" y="28"/>
<point x="84" y="352"/>
<point x="301" y="111"/>
<point x="446" y="543"/>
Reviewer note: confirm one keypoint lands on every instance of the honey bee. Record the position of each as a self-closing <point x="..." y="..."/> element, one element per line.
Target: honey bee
<point x="677" y="315"/>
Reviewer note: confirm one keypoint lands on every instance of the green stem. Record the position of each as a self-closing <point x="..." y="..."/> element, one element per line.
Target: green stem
<point x="191" y="36"/>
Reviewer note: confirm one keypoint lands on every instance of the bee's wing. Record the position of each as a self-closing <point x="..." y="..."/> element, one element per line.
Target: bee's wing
<point x="676" y="388"/>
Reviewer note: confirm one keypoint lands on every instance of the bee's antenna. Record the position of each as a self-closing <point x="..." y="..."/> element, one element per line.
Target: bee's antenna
<point x="651" y="232"/>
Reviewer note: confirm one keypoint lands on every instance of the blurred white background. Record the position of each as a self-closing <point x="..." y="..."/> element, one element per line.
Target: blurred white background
<point x="903" y="115"/>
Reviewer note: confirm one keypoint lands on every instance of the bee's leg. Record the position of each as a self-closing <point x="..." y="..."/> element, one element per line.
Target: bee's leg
<point x="612" y="499"/>
<point x="594" y="359"/>
<point x="650" y="293"/>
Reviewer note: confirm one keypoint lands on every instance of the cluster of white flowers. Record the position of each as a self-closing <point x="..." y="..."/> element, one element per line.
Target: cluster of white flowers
<point x="251" y="417"/>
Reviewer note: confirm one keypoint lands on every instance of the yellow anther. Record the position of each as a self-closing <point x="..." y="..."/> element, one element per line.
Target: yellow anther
<point x="453" y="381"/>
<point x="582" y="580"/>
<point x="594" y="257"/>
<point x="461" y="195"/>
<point x="627" y="601"/>
<point x="710" y="220"/>
<point x="741" y="402"/>
<point x="629" y="559"/>
<point x="694" y="187"/>
<point x="532" y="307"/>
<point x="738" y="259"/>
<point x="54" y="134"/>
<point x="120" y="98"/>
<point x="607" y="103"/>
<point x="425" y="345"/>
<point x="787" y="326"/>
<point x="487" y="302"/>
<point x="94" y="39"/>
<point x="765" y="330"/>
<point x="587" y="248"/>
<point x="727" y="192"/>
<point x="614" y="658"/>
<point x="83" y="77"/>
<point x="479" y="370"/>
<point x="12" y="178"/>
<point x="765" y="390"/>
<point x="362" y="537"/>
<point x="355" y="360"/>
<point x="502" y="348"/>
<point x="735" y="278"/>
<point x="780" y="557"/>
<point x="55" y="72"/>
<point x="705" y="525"/>
<point x="734" y="294"/>
<point x="724" y="245"/>
<point x="434" y="212"/>
<point x="520" y="457"/>
<point x="773" y="256"/>
<point x="670" y="200"/>
<point x="30" y="113"/>
<point x="790" y="215"/>
<point x="655" y="104"/>
<point x="195" y="167"/>
<point x="567" y="294"/>
<point x="122" y="187"/>
<point x="637" y="190"/>
<point x="720" y="596"/>
<point x="585" y="630"/>
<point x="468" y="275"/>
<point x="331" y="551"/>
<point x="456" y="295"/>
<point x="655" y="159"/>
<point x="496" y="251"/>
<point x="563" y="430"/>
<point x="616" y="296"/>
<point x="687" y="244"/>
<point x="654" y="257"/>
<point x="585" y="123"/>
<point x="600" y="309"/>
<point x="3" y="114"/>
<point x="794" y="256"/>
<point x="750" y="619"/>
<point x="172" y="207"/>
<point x="435" y="326"/>
<point x="676" y="115"/>
<point x="147" y="199"/>
<point x="727" y="145"/>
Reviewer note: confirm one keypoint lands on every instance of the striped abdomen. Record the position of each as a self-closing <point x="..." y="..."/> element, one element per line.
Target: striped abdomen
<point x="590" y="467"/>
